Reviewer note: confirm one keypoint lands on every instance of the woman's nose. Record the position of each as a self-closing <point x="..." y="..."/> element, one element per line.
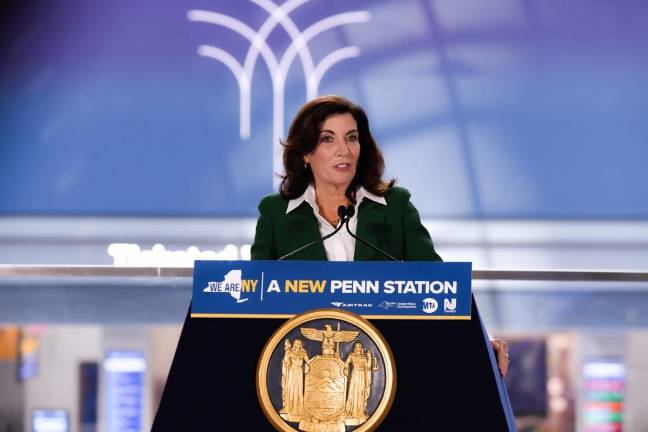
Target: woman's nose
<point x="342" y="148"/>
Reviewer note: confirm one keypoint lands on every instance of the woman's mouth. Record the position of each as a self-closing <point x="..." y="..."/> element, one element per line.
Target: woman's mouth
<point x="342" y="166"/>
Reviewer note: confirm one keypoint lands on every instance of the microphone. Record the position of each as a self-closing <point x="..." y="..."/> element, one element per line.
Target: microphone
<point x="343" y="212"/>
<point x="350" y="211"/>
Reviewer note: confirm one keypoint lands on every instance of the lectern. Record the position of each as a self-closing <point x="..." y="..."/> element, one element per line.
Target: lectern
<point x="243" y="362"/>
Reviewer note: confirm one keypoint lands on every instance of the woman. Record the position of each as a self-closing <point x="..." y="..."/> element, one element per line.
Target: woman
<point x="332" y="160"/>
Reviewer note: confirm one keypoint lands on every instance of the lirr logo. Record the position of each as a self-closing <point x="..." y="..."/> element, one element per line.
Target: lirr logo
<point x="430" y="305"/>
<point x="233" y="285"/>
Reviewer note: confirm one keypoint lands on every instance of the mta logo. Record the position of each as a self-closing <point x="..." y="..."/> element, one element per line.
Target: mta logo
<point x="430" y="305"/>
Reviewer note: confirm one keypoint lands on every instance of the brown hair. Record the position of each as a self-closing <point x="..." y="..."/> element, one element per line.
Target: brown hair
<point x="303" y="139"/>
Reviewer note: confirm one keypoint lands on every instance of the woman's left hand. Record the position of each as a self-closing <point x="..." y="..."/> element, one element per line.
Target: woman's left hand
<point x="501" y="353"/>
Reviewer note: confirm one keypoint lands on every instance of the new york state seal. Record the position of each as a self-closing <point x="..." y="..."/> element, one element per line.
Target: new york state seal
<point x="326" y="370"/>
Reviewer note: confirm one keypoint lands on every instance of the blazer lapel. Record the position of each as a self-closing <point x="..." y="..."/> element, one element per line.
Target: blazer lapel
<point x="371" y="225"/>
<point x="303" y="224"/>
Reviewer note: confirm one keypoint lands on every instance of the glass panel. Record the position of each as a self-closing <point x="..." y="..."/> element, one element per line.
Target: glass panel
<point x="575" y="337"/>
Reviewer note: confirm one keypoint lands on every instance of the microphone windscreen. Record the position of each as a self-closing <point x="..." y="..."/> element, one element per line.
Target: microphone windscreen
<point x="350" y="211"/>
<point x="342" y="212"/>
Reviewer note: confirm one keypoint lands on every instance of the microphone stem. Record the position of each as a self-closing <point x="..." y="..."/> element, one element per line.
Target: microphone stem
<point x="367" y="243"/>
<point x="307" y="245"/>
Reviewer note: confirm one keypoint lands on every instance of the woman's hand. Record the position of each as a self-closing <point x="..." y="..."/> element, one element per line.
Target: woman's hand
<point x="501" y="353"/>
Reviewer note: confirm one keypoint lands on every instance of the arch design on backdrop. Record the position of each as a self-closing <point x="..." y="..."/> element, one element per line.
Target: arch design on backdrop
<point x="278" y="15"/>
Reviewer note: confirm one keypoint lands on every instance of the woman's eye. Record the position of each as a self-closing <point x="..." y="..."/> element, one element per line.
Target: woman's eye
<point x="326" y="139"/>
<point x="353" y="138"/>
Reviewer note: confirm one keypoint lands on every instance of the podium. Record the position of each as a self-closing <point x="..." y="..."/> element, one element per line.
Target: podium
<point x="447" y="377"/>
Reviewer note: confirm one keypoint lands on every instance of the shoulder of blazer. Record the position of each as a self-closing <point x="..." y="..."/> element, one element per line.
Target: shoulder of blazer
<point x="273" y="204"/>
<point x="397" y="197"/>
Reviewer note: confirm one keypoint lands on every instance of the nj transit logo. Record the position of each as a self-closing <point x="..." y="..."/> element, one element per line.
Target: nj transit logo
<point x="450" y="305"/>
<point x="233" y="285"/>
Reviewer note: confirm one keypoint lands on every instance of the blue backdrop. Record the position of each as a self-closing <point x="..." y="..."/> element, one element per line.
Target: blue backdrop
<point x="509" y="108"/>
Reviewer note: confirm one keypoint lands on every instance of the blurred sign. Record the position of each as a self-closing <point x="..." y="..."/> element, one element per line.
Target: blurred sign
<point x="458" y="96"/>
<point x="88" y="390"/>
<point x="124" y="388"/>
<point x="50" y="421"/>
<point x="604" y="382"/>
<point x="28" y="352"/>
<point x="251" y="289"/>
<point x="8" y="343"/>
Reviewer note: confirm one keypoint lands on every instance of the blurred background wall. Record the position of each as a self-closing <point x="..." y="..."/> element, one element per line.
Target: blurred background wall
<point x="522" y="111"/>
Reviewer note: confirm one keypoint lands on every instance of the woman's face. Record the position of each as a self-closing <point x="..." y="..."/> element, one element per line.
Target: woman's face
<point x="335" y="158"/>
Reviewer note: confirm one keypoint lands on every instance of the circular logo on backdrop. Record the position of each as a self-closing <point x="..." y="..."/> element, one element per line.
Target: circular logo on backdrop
<point x="430" y="305"/>
<point x="326" y="371"/>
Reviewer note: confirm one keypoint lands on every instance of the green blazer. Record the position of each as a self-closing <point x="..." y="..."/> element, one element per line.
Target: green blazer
<point x="395" y="228"/>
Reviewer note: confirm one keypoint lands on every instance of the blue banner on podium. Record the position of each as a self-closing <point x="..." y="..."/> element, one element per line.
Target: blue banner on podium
<point x="373" y="289"/>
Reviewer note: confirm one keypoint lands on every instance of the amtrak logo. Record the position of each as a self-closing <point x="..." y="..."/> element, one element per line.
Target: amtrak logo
<point x="278" y="15"/>
<point x="430" y="305"/>
<point x="231" y="285"/>
<point x="352" y="305"/>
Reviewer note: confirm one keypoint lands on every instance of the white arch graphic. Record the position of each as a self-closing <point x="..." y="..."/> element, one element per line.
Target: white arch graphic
<point x="278" y="15"/>
<point x="313" y="74"/>
<point x="327" y="62"/>
<point x="314" y="30"/>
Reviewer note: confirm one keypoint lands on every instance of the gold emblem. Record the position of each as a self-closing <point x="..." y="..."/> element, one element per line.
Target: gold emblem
<point x="324" y="371"/>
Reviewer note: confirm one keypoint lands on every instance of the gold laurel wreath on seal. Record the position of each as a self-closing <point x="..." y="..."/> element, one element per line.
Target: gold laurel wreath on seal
<point x="389" y="391"/>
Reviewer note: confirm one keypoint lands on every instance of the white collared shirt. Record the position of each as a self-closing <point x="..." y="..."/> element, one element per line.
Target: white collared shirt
<point x="340" y="247"/>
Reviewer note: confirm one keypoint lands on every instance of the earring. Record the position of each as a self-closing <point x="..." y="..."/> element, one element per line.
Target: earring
<point x="306" y="166"/>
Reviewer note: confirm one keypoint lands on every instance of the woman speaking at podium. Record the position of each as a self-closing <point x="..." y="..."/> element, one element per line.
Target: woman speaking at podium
<point x="332" y="161"/>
